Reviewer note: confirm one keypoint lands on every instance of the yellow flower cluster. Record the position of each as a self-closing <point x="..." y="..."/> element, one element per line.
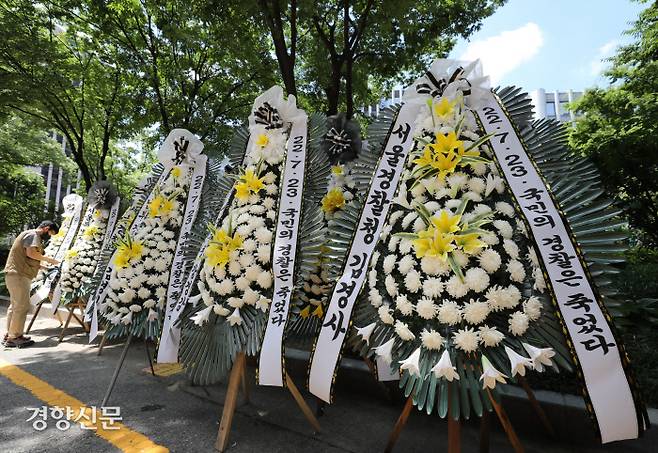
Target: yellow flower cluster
<point x="444" y="155"/>
<point x="249" y="183"/>
<point x="443" y="236"/>
<point x="90" y="231"/>
<point x="333" y="200"/>
<point x="306" y="312"/>
<point x="160" y="206"/>
<point x="176" y="172"/>
<point x="222" y="244"/>
<point x="126" y="252"/>
<point x="70" y="254"/>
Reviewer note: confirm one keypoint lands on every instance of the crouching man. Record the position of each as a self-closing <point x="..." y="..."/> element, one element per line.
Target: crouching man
<point x="23" y="262"/>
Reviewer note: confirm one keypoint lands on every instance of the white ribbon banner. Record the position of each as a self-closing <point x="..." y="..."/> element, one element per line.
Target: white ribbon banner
<point x="75" y="211"/>
<point x="270" y="362"/>
<point x="591" y="335"/>
<point x="111" y="221"/>
<point x="177" y="278"/>
<point x="339" y="311"/>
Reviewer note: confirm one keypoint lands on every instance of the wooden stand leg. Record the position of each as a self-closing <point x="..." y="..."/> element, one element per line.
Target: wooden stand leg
<point x="507" y="425"/>
<point x="34" y="317"/>
<point x="101" y="344"/>
<point x="399" y="425"/>
<point x="148" y="356"/>
<point x="536" y="406"/>
<point x="244" y="383"/>
<point x="229" y="403"/>
<point x="484" y="432"/>
<point x="454" y="435"/>
<point x="299" y="399"/>
<point x="66" y="325"/>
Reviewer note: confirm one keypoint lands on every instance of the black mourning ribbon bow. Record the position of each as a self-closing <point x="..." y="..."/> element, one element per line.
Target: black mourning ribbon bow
<point x="343" y="140"/>
<point x="269" y="116"/>
<point x="435" y="87"/>
<point x="102" y="195"/>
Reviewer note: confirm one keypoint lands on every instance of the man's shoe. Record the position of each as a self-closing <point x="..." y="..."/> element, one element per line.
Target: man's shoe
<point x="18" y="343"/>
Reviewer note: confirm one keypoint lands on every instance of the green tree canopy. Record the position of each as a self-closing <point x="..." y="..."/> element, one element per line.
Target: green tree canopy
<point x="619" y="126"/>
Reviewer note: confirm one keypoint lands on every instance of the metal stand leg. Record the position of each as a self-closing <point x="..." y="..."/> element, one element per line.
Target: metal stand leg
<point x="116" y="370"/>
<point x="148" y="356"/>
<point x="34" y="317"/>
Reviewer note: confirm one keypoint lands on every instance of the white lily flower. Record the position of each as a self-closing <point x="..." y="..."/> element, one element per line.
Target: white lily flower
<point x="366" y="331"/>
<point x="384" y="351"/>
<point x="195" y="299"/>
<point x="152" y="316"/>
<point x="128" y="318"/>
<point x="220" y="310"/>
<point x="235" y="318"/>
<point x="411" y="363"/>
<point x="490" y="375"/>
<point x="539" y="356"/>
<point x="202" y="316"/>
<point x="517" y="362"/>
<point x="444" y="368"/>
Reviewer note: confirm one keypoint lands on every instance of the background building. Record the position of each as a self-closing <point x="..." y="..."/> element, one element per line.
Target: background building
<point x="554" y="104"/>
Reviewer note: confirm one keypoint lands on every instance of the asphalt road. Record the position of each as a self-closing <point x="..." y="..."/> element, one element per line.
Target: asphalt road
<point x="183" y="418"/>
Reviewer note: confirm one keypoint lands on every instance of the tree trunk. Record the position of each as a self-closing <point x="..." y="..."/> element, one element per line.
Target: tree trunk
<point x="333" y="88"/>
<point x="349" y="93"/>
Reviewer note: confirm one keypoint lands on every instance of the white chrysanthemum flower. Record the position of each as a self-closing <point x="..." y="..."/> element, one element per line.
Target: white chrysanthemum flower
<point x="489" y="238"/>
<point x="391" y="286"/>
<point x="532" y="307"/>
<point x="242" y="283"/>
<point x="505" y="209"/>
<point x="252" y="272"/>
<point x="455" y="287"/>
<point x="263" y="235"/>
<point x="235" y="302"/>
<point x="511" y="249"/>
<point x="426" y="308"/>
<point x="431" y="339"/>
<point x="516" y="271"/>
<point x="490" y="336"/>
<point x="405" y="246"/>
<point x="389" y="263"/>
<point x="476" y="279"/>
<point x="393" y="243"/>
<point x="264" y="280"/>
<point x="457" y="180"/>
<point x="433" y="287"/>
<point x="475" y="311"/>
<point x="127" y="296"/>
<point x="115" y="283"/>
<point x="466" y="339"/>
<point x="490" y="260"/>
<point x="402" y="331"/>
<point x="540" y="283"/>
<point x="375" y="298"/>
<point x="250" y="297"/>
<point x="234" y="268"/>
<point x="264" y="254"/>
<point x="143" y="293"/>
<point x="160" y="292"/>
<point x="161" y="265"/>
<point x="385" y="315"/>
<point x="419" y="225"/>
<point x="532" y="256"/>
<point x="269" y="203"/>
<point x="249" y="245"/>
<point x="246" y="260"/>
<point x="406" y="221"/>
<point x="406" y="264"/>
<point x="403" y="305"/>
<point x="512" y="296"/>
<point x="432" y="265"/>
<point x="450" y="313"/>
<point x="372" y="278"/>
<point x="412" y="281"/>
<point x="504" y="228"/>
<point x="477" y="185"/>
<point x="518" y="323"/>
<point x="225" y="287"/>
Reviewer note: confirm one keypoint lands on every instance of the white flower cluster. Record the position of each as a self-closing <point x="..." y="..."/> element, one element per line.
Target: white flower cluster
<point x="81" y="259"/>
<point x="453" y="257"/>
<point x="141" y="263"/>
<point x="236" y="273"/>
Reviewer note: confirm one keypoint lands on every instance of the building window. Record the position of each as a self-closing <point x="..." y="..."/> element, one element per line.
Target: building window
<point x="550" y="109"/>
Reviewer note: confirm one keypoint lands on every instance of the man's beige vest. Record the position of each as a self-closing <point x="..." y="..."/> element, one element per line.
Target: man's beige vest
<point x="18" y="262"/>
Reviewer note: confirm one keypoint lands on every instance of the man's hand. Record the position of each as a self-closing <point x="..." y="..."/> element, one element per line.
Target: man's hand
<point x="33" y="253"/>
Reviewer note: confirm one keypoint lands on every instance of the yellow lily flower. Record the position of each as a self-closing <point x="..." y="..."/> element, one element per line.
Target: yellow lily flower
<point x="90" y="231"/>
<point x="433" y="242"/>
<point x="447" y="143"/>
<point x="305" y="312"/>
<point x="217" y="255"/>
<point x="154" y="205"/>
<point x="337" y="170"/>
<point x="242" y="191"/>
<point x="70" y="254"/>
<point x="176" y="172"/>
<point x="333" y="200"/>
<point x="470" y="243"/>
<point x="446" y="222"/>
<point x="262" y="140"/>
<point x="254" y="183"/>
<point x="444" y="108"/>
<point x="318" y="312"/>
